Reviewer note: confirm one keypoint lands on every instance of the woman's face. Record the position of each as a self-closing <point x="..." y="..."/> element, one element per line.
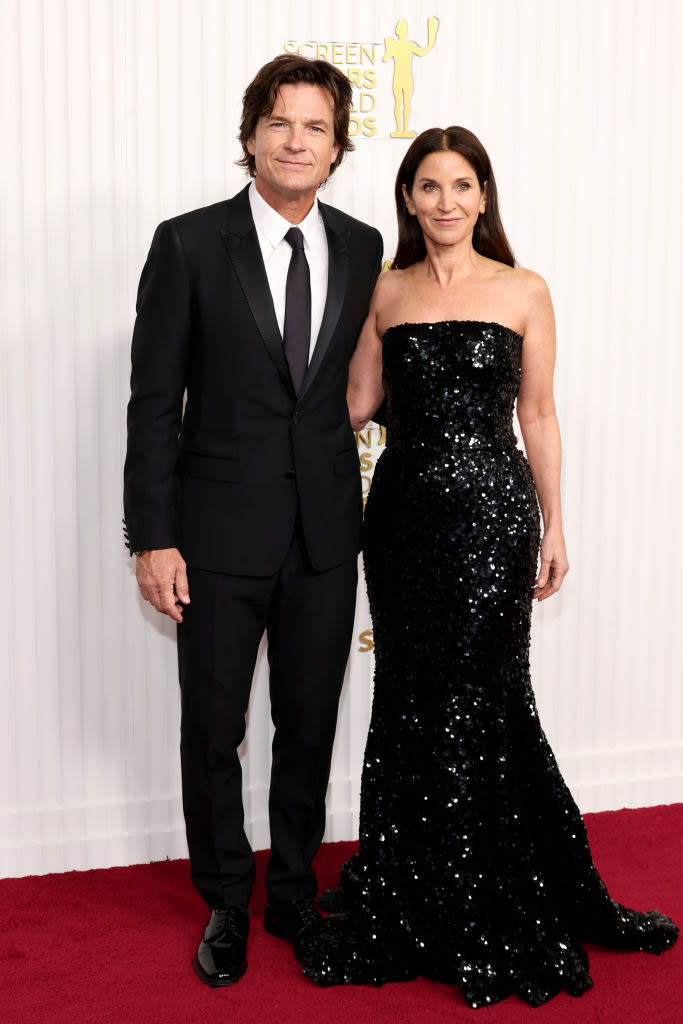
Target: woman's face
<point x="446" y="197"/>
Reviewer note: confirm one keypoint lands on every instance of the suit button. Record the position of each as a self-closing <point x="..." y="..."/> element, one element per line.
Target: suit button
<point x="290" y="475"/>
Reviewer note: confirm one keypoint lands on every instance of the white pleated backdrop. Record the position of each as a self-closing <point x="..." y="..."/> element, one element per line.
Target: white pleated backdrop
<point x="119" y="113"/>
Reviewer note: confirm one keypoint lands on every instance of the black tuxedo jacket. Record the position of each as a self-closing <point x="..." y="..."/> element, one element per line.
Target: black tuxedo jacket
<point x="222" y="480"/>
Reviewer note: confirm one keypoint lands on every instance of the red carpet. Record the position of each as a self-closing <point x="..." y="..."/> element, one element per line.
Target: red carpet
<point x="115" y="947"/>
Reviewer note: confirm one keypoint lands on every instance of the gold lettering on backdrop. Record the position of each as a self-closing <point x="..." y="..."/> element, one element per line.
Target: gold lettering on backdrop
<point x="367" y="126"/>
<point x="402" y="50"/>
<point x="354" y="59"/>
<point x="366" y="641"/>
<point x="361" y="79"/>
<point x="300" y="48"/>
<point x="372" y="437"/>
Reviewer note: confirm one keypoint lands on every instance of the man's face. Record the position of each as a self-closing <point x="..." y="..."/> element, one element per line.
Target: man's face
<point x="294" y="145"/>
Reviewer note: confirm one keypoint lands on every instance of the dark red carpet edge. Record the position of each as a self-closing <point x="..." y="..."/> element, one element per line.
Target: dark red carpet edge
<point x="116" y="945"/>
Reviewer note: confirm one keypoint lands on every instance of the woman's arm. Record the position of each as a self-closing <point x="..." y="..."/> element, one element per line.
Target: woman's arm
<point x="541" y="432"/>
<point x="365" y="392"/>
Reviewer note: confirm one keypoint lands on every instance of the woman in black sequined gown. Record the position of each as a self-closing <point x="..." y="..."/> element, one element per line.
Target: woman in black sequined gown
<point x="473" y="864"/>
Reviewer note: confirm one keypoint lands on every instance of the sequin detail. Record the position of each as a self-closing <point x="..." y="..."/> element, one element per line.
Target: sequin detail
<point x="473" y="865"/>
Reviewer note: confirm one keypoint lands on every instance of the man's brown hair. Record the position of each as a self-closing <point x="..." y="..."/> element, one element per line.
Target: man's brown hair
<point x="291" y="69"/>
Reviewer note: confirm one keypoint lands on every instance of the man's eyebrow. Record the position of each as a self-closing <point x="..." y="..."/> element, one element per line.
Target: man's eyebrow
<point x="283" y="117"/>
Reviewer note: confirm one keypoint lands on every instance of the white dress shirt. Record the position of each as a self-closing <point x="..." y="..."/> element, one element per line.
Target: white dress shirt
<point x="271" y="229"/>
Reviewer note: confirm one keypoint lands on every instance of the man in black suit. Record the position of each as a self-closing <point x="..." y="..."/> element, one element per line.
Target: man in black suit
<point x="244" y="510"/>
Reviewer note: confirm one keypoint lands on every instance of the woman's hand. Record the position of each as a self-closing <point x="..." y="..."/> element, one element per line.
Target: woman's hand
<point x="554" y="565"/>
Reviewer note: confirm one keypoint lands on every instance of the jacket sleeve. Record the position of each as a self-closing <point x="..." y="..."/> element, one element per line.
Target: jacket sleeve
<point x="160" y="357"/>
<point x="379" y="257"/>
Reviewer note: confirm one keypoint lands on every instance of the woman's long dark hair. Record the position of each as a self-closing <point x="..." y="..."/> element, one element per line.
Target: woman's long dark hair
<point x="489" y="236"/>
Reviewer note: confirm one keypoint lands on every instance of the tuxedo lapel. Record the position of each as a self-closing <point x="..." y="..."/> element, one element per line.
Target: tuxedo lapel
<point x="244" y="252"/>
<point x="338" y="268"/>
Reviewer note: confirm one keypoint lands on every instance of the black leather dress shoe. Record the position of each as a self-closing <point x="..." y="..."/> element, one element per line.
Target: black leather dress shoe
<point x="295" y="920"/>
<point x="222" y="955"/>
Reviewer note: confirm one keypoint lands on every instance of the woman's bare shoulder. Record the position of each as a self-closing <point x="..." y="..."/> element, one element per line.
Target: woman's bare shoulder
<point x="525" y="285"/>
<point x="520" y="277"/>
<point x="529" y="281"/>
<point x="391" y="282"/>
<point x="390" y="288"/>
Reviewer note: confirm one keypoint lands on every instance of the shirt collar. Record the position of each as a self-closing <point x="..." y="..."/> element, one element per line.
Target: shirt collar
<point x="273" y="226"/>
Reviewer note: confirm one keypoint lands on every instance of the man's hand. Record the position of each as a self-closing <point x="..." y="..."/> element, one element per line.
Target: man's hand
<point x="162" y="579"/>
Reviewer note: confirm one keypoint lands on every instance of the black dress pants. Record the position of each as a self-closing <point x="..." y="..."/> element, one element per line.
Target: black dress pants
<point x="309" y="618"/>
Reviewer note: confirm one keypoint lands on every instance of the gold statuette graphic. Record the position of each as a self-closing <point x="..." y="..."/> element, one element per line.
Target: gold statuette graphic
<point x="402" y="50"/>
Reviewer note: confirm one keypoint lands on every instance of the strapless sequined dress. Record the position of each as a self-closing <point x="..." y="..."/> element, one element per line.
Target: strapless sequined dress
<point x="473" y="865"/>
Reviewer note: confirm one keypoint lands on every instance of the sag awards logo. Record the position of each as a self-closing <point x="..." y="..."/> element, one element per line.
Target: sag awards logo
<point x="369" y="443"/>
<point x="359" y="61"/>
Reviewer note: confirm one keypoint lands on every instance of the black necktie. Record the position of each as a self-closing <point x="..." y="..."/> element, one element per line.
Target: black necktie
<point x="297" y="332"/>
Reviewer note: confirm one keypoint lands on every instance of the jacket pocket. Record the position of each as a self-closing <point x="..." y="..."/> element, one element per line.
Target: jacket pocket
<point x="207" y="467"/>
